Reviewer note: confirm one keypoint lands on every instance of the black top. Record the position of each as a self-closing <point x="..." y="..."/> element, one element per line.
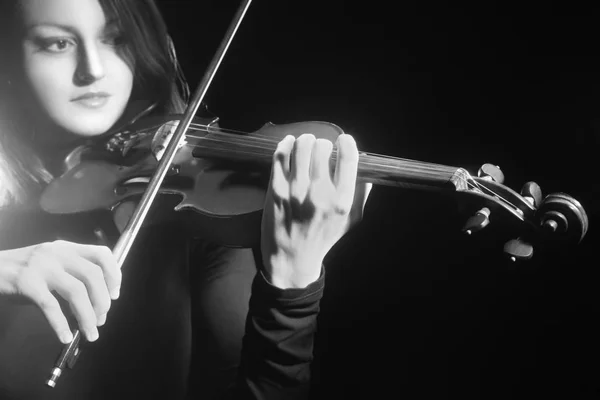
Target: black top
<point x="145" y="346"/>
<point x="278" y="346"/>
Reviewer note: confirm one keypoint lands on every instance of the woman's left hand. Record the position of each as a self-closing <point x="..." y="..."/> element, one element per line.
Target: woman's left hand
<point x="307" y="210"/>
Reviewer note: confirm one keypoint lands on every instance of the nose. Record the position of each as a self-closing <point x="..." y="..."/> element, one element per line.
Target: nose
<point x="90" y="66"/>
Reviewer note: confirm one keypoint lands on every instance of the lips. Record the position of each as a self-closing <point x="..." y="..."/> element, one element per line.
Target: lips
<point x="92" y="95"/>
<point x="92" y="99"/>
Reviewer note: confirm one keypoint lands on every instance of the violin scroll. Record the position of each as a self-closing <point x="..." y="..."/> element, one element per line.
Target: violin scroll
<point x="558" y="216"/>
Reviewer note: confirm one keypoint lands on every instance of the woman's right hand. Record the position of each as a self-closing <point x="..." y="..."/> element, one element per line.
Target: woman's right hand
<point x="86" y="276"/>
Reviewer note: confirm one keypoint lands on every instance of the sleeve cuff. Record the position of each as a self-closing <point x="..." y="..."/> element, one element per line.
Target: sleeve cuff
<point x="273" y="293"/>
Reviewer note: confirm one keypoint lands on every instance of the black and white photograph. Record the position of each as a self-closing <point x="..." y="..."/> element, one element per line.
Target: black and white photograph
<point x="322" y="199"/>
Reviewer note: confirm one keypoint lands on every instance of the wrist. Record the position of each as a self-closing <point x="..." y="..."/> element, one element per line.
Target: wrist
<point x="286" y="273"/>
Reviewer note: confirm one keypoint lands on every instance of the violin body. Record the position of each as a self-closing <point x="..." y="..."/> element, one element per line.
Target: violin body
<point x="218" y="199"/>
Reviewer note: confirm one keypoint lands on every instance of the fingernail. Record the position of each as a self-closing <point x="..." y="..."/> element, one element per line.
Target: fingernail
<point x="115" y="294"/>
<point x="66" y="337"/>
<point x="92" y="335"/>
<point x="102" y="319"/>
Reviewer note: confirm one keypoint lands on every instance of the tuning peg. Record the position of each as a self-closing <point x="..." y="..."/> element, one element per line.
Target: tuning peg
<point x="491" y="172"/>
<point x="478" y="221"/>
<point x="533" y="193"/>
<point x="517" y="249"/>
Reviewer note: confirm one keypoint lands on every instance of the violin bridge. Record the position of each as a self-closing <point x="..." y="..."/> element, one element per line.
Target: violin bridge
<point x="163" y="137"/>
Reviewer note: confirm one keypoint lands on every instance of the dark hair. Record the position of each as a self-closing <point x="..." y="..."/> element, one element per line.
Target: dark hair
<point x="146" y="47"/>
<point x="150" y="52"/>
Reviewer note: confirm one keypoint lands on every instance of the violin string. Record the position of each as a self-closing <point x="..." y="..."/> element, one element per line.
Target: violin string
<point x="206" y="128"/>
<point x="233" y="135"/>
<point x="236" y="134"/>
<point x="249" y="141"/>
<point x="421" y="166"/>
<point x="252" y="142"/>
<point x="367" y="160"/>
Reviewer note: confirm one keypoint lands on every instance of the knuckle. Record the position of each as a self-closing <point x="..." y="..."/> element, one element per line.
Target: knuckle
<point x="105" y="251"/>
<point x="48" y="303"/>
<point x="97" y="284"/>
<point x="44" y="254"/>
<point x="95" y="274"/>
<point x="107" y="260"/>
<point x="319" y="202"/>
<point x="76" y="291"/>
<point x="56" y="245"/>
<point x="279" y="155"/>
<point x="342" y="207"/>
<point x="279" y="190"/>
<point x="282" y="151"/>
<point x="298" y="188"/>
<point x="24" y="279"/>
<point x="102" y="306"/>
<point x="43" y="249"/>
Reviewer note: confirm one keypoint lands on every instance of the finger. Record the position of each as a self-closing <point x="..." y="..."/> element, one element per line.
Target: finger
<point x="281" y="166"/>
<point x="104" y="258"/>
<point x="360" y="200"/>
<point x="320" y="162"/>
<point x="75" y="292"/>
<point x="37" y="290"/>
<point x="300" y="166"/>
<point x="93" y="278"/>
<point x="346" y="170"/>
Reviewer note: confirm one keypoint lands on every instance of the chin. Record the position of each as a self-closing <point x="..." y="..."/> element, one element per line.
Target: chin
<point x="94" y="124"/>
<point x="88" y="131"/>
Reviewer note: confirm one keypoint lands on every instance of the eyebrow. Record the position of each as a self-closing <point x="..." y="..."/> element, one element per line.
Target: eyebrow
<point x="53" y="25"/>
<point x="109" y="24"/>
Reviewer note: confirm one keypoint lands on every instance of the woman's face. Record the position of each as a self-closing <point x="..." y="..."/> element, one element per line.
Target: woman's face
<point x="73" y="66"/>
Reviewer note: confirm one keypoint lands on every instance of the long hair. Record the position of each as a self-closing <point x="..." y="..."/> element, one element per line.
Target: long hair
<point x="146" y="47"/>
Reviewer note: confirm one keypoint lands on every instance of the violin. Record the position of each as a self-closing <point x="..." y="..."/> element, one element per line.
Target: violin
<point x="216" y="184"/>
<point x="219" y="178"/>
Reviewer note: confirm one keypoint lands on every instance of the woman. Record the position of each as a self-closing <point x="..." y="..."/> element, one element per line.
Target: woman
<point x="71" y="70"/>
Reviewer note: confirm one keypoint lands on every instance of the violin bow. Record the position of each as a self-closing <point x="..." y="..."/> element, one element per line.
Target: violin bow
<point x="71" y="351"/>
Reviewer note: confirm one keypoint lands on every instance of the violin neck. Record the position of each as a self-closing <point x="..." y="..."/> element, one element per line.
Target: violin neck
<point x="411" y="174"/>
<point x="377" y="169"/>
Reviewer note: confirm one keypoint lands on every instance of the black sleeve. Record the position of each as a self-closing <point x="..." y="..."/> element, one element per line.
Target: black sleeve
<point x="278" y="345"/>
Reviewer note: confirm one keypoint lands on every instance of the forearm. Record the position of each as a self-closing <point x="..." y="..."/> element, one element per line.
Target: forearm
<point x="278" y="345"/>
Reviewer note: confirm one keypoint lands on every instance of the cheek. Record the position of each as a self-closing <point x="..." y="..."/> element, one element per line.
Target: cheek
<point x="49" y="81"/>
<point x="119" y="82"/>
<point x="52" y="87"/>
<point x="121" y="78"/>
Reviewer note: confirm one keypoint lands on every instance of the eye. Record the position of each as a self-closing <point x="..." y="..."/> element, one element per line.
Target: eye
<point x="115" y="39"/>
<point x="58" y="45"/>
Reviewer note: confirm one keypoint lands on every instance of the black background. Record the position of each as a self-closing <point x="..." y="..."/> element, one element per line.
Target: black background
<point x="413" y="309"/>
